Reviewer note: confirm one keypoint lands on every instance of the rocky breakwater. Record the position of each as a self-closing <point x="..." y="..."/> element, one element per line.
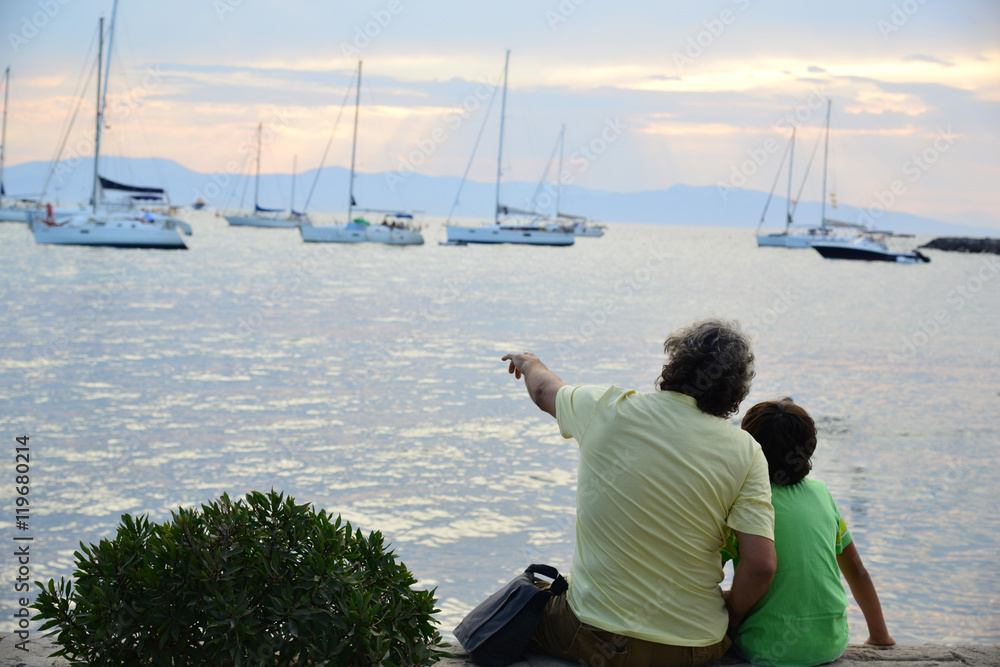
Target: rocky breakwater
<point x="963" y="244"/>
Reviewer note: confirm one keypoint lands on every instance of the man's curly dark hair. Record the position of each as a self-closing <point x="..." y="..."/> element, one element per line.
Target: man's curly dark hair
<point x="712" y="362"/>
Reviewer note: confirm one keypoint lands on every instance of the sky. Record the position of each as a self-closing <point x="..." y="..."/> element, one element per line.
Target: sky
<point x="652" y="94"/>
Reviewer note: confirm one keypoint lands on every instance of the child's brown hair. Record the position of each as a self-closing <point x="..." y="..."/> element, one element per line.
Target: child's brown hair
<point x="787" y="434"/>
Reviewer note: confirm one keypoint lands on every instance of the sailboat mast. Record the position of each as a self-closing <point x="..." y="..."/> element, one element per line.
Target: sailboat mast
<point x="354" y="147"/>
<point x="503" y="111"/>
<point x="97" y="115"/>
<point x="295" y="166"/>
<point x="788" y="201"/>
<point x="256" y="182"/>
<point x="3" y="134"/>
<point x="562" y="142"/>
<point x="826" y="155"/>
<point x="104" y="99"/>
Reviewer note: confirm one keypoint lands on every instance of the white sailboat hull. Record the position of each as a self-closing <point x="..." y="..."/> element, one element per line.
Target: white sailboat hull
<point x="13" y="214"/>
<point x="782" y="240"/>
<point x="506" y="234"/>
<point x="394" y="235"/>
<point x="114" y="230"/>
<point x="256" y="221"/>
<point x="335" y="234"/>
<point x="585" y="230"/>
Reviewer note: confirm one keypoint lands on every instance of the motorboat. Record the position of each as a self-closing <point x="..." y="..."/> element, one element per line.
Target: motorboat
<point x="867" y="248"/>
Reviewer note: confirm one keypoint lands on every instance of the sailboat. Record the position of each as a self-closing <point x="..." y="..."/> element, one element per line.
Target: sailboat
<point x="268" y="217"/>
<point x="119" y="224"/>
<point x="825" y="231"/>
<point x="11" y="211"/>
<point x="394" y="229"/>
<point x="582" y="226"/>
<point x="527" y="232"/>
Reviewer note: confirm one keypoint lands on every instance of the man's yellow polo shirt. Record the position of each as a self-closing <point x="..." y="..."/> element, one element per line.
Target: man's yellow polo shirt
<point x="660" y="485"/>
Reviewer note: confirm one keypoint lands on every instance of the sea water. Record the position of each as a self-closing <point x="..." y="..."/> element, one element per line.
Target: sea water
<point x="367" y="380"/>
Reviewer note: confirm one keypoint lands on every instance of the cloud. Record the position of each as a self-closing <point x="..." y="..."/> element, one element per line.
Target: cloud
<point x="922" y="58"/>
<point x="816" y="70"/>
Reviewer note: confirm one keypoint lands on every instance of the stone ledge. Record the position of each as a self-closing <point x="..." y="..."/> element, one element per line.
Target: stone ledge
<point x="927" y="655"/>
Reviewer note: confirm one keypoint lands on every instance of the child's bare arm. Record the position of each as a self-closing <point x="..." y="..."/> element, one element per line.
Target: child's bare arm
<point x="864" y="594"/>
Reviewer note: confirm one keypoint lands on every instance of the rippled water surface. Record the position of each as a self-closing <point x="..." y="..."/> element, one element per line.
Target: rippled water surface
<point x="366" y="380"/>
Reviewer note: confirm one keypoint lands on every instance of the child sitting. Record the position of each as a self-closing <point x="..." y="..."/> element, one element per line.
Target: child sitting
<point x="802" y="619"/>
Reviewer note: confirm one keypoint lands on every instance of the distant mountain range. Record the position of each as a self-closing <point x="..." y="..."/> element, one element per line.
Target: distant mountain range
<point x="434" y="195"/>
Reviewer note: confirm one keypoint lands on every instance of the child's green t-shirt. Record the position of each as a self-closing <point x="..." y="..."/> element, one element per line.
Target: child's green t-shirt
<point x="802" y="619"/>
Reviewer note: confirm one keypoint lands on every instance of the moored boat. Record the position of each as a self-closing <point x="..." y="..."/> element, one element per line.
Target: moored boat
<point x="18" y="209"/>
<point x="529" y="232"/>
<point x="274" y="218"/>
<point x="120" y="229"/>
<point x="868" y="249"/>
<point x="510" y="233"/>
<point x="807" y="238"/>
<point x="395" y="228"/>
<point x="122" y="223"/>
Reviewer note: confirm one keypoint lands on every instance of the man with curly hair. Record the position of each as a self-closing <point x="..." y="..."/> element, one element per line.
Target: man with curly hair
<point x="663" y="479"/>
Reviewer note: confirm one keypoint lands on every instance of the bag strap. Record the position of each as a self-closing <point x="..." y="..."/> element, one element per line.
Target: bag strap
<point x="559" y="585"/>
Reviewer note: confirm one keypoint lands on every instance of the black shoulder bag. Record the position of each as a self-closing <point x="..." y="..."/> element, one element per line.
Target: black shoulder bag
<point x="497" y="631"/>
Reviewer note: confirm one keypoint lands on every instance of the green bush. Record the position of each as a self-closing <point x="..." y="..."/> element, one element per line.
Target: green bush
<point x="260" y="581"/>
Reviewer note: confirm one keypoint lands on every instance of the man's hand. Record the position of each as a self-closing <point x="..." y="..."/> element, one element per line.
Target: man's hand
<point x="518" y="362"/>
<point x="541" y="383"/>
